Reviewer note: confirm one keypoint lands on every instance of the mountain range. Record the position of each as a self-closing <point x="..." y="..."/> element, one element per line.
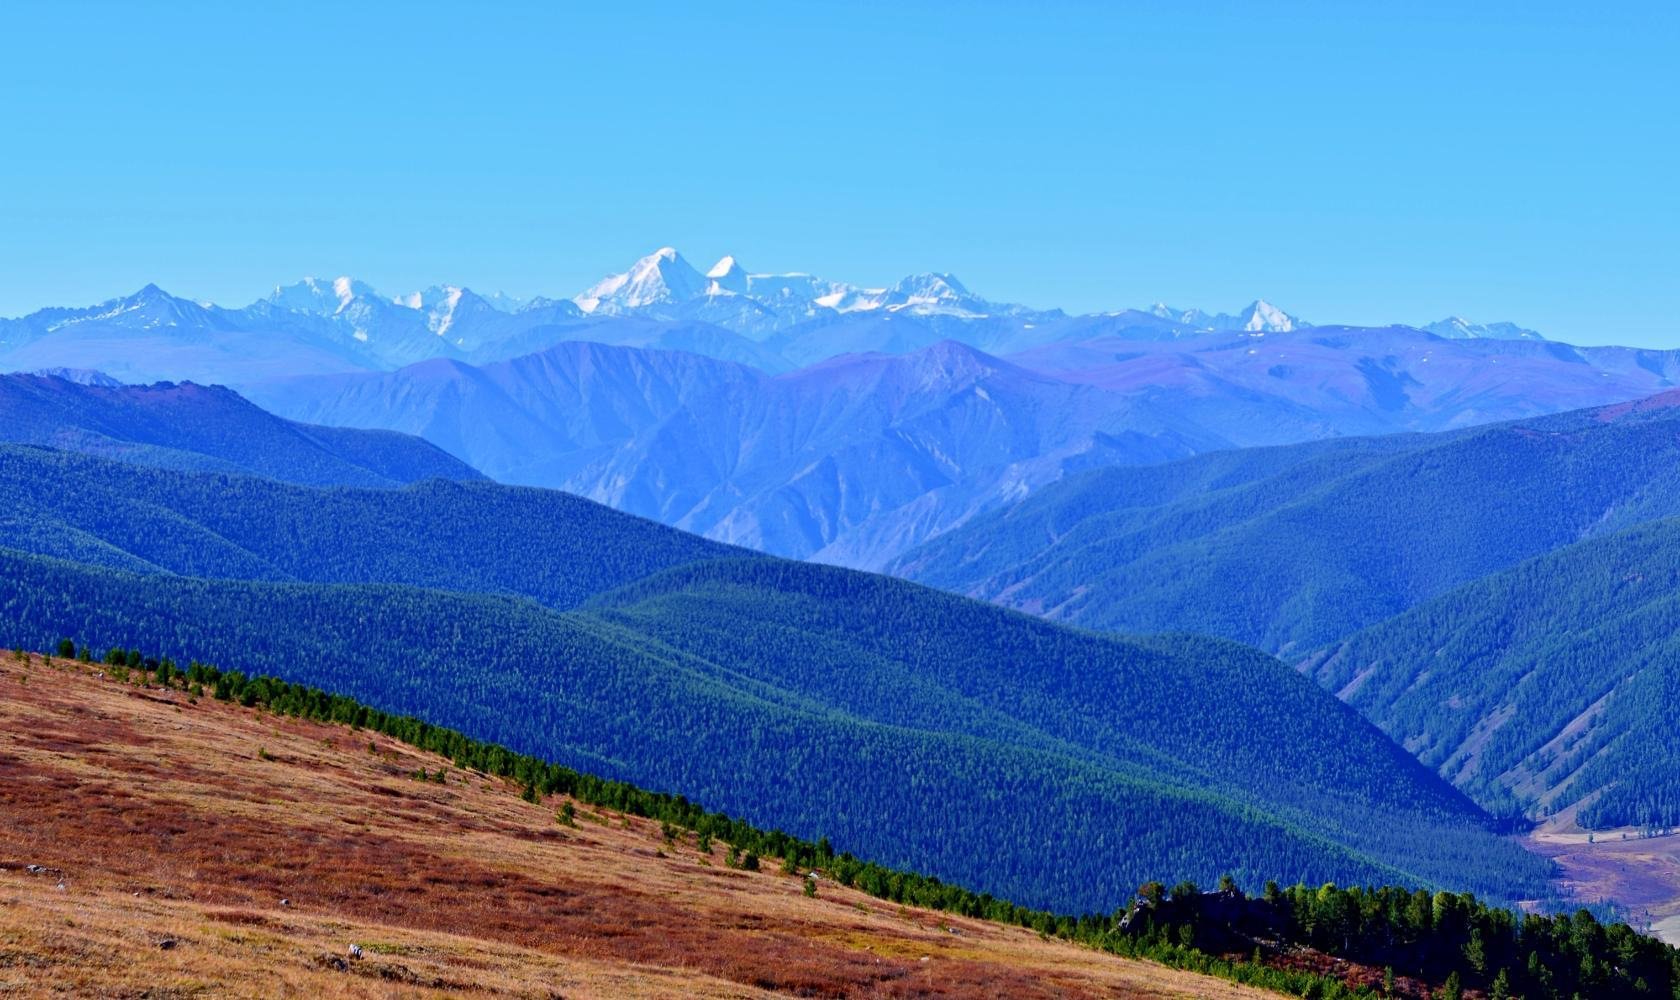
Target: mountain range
<point x="856" y="459"/>
<point x="772" y="321"/>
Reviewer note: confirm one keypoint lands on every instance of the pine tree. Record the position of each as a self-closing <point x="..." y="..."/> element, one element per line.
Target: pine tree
<point x="1501" y="986"/>
<point x="1452" y="989"/>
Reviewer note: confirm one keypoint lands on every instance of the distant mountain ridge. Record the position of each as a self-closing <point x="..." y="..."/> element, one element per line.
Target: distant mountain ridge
<point x="190" y="426"/>
<point x="858" y="458"/>
<point x="774" y="321"/>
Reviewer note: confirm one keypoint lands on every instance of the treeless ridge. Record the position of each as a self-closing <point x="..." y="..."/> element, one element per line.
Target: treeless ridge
<point x="209" y="850"/>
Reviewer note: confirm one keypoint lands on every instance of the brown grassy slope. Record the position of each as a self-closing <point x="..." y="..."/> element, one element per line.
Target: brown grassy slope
<point x="209" y="850"/>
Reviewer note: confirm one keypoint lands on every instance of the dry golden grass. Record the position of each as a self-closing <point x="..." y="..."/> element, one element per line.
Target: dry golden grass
<point x="1640" y="873"/>
<point x="208" y="850"/>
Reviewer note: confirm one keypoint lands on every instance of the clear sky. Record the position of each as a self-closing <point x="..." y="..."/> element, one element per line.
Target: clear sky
<point x="1350" y="161"/>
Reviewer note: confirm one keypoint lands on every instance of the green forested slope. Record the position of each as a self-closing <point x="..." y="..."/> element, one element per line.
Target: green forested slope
<point x="938" y="732"/>
<point x="550" y="546"/>
<point x="1550" y="685"/>
<point x="1307" y="544"/>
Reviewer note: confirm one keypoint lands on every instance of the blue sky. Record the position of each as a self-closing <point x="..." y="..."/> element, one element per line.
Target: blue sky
<point x="1351" y="161"/>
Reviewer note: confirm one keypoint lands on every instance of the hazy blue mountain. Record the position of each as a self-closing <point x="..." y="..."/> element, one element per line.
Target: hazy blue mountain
<point x="856" y="459"/>
<point x="153" y="336"/>
<point x="1289" y="548"/>
<point x="1458" y="328"/>
<point x="1333" y="380"/>
<point x="775" y="322"/>
<point x="539" y="419"/>
<point x="318" y="326"/>
<point x="190" y="426"/>
<point x="1066" y="766"/>
<point x="848" y="461"/>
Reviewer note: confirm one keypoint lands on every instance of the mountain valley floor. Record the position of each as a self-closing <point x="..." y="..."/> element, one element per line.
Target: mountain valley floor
<point x="1640" y="874"/>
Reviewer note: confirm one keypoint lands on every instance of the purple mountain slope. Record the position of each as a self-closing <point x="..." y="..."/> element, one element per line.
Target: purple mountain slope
<point x="1326" y="381"/>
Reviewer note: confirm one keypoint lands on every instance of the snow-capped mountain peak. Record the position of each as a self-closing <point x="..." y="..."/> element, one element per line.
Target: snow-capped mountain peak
<point x="727" y="276"/>
<point x="1263" y="317"/>
<point x="1459" y="328"/>
<point x="934" y="293"/>
<point x="441" y="313"/>
<point x="80" y="376"/>
<point x="1260" y="317"/>
<point x="320" y="297"/>
<point x="662" y="277"/>
<point x="726" y="266"/>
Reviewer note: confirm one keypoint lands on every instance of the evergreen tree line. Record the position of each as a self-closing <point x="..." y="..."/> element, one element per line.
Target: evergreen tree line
<point x="1439" y="937"/>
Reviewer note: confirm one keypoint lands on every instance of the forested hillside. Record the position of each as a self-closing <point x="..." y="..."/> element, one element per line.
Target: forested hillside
<point x="1548" y="687"/>
<point x="924" y="729"/>
<point x="211" y="428"/>
<point x="1293" y="547"/>
<point x="552" y="547"/>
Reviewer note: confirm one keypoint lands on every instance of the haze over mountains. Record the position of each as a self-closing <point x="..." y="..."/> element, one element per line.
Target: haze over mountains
<point x="855" y="459"/>
<point x="812" y="418"/>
